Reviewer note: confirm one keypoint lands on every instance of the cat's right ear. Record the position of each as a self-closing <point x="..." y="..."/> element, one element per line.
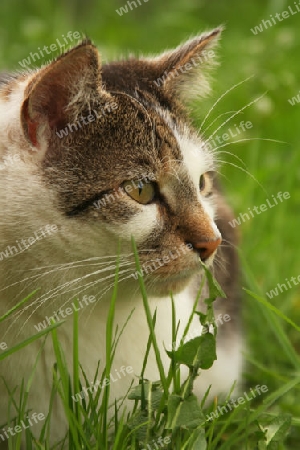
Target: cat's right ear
<point x="60" y="92"/>
<point x="182" y="72"/>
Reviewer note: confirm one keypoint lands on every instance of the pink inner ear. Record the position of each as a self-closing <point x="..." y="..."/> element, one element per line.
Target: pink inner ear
<point x="32" y="132"/>
<point x="30" y="125"/>
<point x="46" y="107"/>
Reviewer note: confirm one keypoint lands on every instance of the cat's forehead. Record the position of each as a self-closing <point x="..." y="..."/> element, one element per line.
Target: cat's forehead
<point x="195" y="156"/>
<point x="145" y="131"/>
<point x="138" y="140"/>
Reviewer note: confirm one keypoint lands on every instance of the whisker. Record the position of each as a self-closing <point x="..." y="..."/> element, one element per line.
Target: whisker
<point x="220" y="98"/>
<point x="232" y="154"/>
<point x="245" y="171"/>
<point x="83" y="289"/>
<point x="59" y="267"/>
<point x="109" y="287"/>
<point x="221" y="264"/>
<point x="237" y="112"/>
<point x="250" y="139"/>
<point x="58" y="288"/>
<point x="93" y="258"/>
<point x="215" y="120"/>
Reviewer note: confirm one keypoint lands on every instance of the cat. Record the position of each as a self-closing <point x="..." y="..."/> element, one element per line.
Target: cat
<point x="92" y="154"/>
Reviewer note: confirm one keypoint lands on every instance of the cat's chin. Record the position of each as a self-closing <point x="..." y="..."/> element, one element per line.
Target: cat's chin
<point x="163" y="287"/>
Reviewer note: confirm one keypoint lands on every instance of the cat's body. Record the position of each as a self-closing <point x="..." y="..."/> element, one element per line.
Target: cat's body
<point x="57" y="181"/>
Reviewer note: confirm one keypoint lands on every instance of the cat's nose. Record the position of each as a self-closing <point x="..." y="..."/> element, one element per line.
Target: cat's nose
<point x="206" y="249"/>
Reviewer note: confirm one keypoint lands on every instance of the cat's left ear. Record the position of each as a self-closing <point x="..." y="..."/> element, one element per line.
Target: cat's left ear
<point x="182" y="72"/>
<point x="60" y="91"/>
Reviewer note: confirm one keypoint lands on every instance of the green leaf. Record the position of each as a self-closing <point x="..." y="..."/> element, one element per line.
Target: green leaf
<point x="185" y="413"/>
<point x="200" y="443"/>
<point x="276" y="430"/>
<point x="152" y="392"/>
<point x="199" y="352"/>
<point x="202" y="317"/>
<point x="262" y="445"/>
<point x="215" y="289"/>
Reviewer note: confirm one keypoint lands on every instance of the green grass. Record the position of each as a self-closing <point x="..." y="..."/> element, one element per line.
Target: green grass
<point x="270" y="241"/>
<point x="165" y="411"/>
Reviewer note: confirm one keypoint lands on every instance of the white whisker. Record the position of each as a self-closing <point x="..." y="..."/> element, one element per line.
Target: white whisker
<point x="220" y="98"/>
<point x="245" y="171"/>
<point x="82" y="288"/>
<point x="237" y="112"/>
<point x="215" y="120"/>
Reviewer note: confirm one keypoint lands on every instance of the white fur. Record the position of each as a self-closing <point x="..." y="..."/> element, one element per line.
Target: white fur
<point x="140" y="226"/>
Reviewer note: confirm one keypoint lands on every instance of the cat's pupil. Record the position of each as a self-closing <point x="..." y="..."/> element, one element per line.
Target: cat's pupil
<point x="140" y="187"/>
<point x="141" y="192"/>
<point x="202" y="183"/>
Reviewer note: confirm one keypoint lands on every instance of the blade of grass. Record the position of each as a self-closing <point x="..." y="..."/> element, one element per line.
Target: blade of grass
<point x="108" y="362"/>
<point x="273" y="308"/>
<point x="148" y="348"/>
<point x="196" y="303"/>
<point x="149" y="320"/>
<point x="17" y="306"/>
<point x="76" y="381"/>
<point x="64" y="391"/>
<point x="272" y="320"/>
<point x="238" y="434"/>
<point x="29" y="340"/>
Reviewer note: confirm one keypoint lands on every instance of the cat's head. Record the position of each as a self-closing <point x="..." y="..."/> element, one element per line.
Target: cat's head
<point x="115" y="146"/>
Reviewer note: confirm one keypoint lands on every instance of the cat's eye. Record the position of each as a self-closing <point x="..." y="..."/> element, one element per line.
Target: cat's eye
<point x="141" y="192"/>
<point x="206" y="184"/>
<point x="202" y="183"/>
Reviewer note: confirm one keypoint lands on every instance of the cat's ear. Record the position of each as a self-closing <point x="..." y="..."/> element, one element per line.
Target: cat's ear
<point x="183" y="71"/>
<point x="60" y="92"/>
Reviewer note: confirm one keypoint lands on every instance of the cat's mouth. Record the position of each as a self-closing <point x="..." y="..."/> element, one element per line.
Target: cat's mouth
<point x="170" y="272"/>
<point x="162" y="285"/>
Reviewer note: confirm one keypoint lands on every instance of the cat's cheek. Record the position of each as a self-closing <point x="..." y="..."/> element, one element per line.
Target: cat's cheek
<point x="209" y="207"/>
<point x="140" y="226"/>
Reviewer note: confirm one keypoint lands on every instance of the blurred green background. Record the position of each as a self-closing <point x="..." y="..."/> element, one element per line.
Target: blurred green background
<point x="269" y="241"/>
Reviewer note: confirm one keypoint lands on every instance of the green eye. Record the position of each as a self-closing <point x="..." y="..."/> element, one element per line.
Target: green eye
<point x="141" y="192"/>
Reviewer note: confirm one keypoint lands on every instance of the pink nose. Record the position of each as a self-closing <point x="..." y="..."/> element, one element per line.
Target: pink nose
<point x="206" y="249"/>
